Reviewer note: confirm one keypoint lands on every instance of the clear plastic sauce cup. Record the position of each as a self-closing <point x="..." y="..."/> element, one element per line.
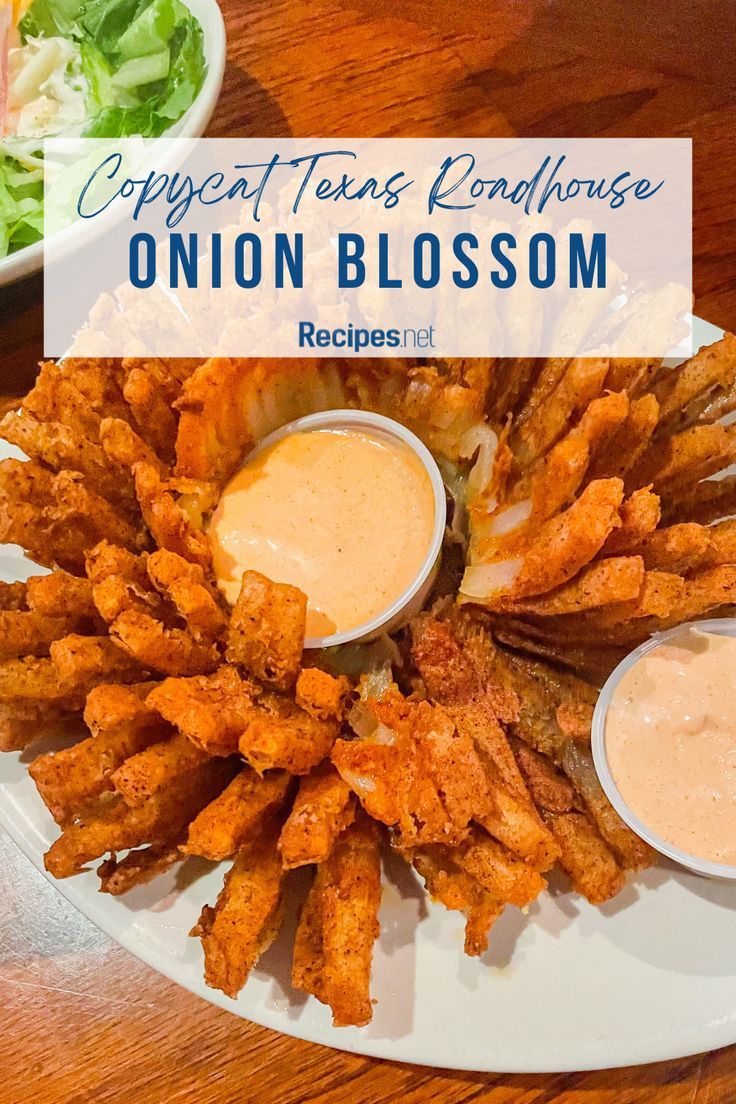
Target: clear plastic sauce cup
<point x="723" y="626"/>
<point x="412" y="599"/>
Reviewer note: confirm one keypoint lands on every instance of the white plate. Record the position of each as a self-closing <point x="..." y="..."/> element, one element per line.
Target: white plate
<point x="191" y="125"/>
<point x="651" y="975"/>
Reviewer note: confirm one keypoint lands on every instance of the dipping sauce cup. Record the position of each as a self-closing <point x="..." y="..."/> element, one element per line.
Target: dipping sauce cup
<point x="699" y="720"/>
<point x="320" y="501"/>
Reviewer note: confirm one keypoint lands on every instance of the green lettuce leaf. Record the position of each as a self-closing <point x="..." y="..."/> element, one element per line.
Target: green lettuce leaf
<point x="144" y="64"/>
<point x="151" y="30"/>
<point x="46" y="18"/>
<point x="97" y="71"/>
<point x="186" y="75"/>
<point x="146" y="92"/>
<point x="105" y="21"/>
<point x="21" y="205"/>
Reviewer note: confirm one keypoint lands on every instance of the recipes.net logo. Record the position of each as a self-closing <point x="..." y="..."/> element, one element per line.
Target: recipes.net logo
<point x="350" y="337"/>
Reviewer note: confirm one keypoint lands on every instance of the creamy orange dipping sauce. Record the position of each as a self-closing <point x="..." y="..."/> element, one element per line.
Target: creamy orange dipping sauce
<point x="671" y="743"/>
<point x="346" y="516"/>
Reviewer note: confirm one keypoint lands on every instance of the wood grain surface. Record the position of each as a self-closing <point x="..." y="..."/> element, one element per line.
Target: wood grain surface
<point x="82" y="1021"/>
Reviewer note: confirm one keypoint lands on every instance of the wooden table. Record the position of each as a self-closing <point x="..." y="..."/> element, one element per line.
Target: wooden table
<point x="82" y="1020"/>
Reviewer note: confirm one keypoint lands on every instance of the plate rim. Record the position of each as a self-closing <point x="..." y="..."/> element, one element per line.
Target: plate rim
<point x="600" y="1054"/>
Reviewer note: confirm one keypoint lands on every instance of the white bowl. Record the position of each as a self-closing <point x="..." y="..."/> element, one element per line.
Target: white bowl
<point x="723" y="626"/>
<point x="191" y="125"/>
<point x="410" y="602"/>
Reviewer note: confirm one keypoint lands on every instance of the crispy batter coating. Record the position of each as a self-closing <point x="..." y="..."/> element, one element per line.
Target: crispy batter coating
<point x="453" y="679"/>
<point x="631" y="373"/>
<point x="106" y="559"/>
<point x="122" y="724"/>
<point x="417" y="772"/>
<point x="711" y="368"/>
<point x="245" y="919"/>
<point x="110" y="706"/>
<point x="168" y="521"/>
<point x="30" y="678"/>
<point x="568" y="542"/>
<point x="553" y="555"/>
<point x="25" y="721"/>
<point x="151" y="387"/>
<point x="322" y="695"/>
<point x="630" y="850"/>
<point x="455" y="889"/>
<point x="661" y="592"/>
<point x="580" y="384"/>
<point x="113" y="826"/>
<point x="602" y="421"/>
<point x="308" y="959"/>
<point x="640" y="514"/>
<point x="278" y="734"/>
<point x="673" y="465"/>
<point x="115" y="594"/>
<point x="13" y="596"/>
<point x="120" y="583"/>
<point x="618" y="579"/>
<point x="705" y="502"/>
<point x="118" y="876"/>
<point x="584" y="853"/>
<point x="266" y="634"/>
<point x="233" y="819"/>
<point x="84" y="662"/>
<point x="122" y="444"/>
<point x="25" y="483"/>
<point x="494" y="867"/>
<point x="514" y="824"/>
<point x="552" y="481"/>
<point x="62" y="448"/>
<point x="147" y="771"/>
<point x="574" y="720"/>
<point x="29" y="633"/>
<point x="88" y="387"/>
<point x="82" y="506"/>
<point x="541" y="690"/>
<point x="549" y="787"/>
<point x="351" y="896"/>
<point x="56" y="518"/>
<point x="451" y="673"/>
<point x="37" y="680"/>
<point x="722" y="545"/>
<point x="61" y="594"/>
<point x="169" y="651"/>
<point x="211" y="710"/>
<point x="625" y="448"/>
<point x="585" y="857"/>
<point x="479" y="920"/>
<point x="323" y="807"/>
<point x="187" y="587"/>
<point x="556" y="478"/>
<point x="676" y="549"/>
<point x="118" y="593"/>
<point x="704" y="593"/>
<point x="333" y="948"/>
<point x="228" y="404"/>
<point x="55" y="397"/>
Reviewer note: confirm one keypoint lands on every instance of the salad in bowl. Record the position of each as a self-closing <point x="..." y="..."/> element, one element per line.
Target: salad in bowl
<point x="97" y="69"/>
